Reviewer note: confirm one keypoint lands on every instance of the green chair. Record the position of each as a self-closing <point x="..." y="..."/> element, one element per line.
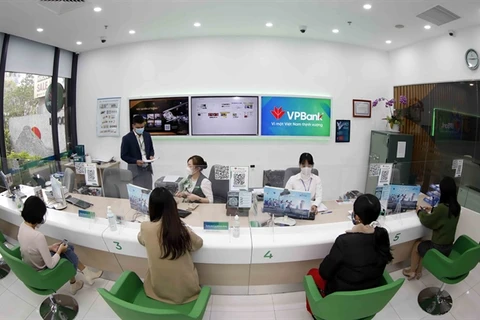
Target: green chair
<point x="350" y="305"/>
<point x="4" y="268"/>
<point x="45" y="282"/>
<point x="450" y="270"/>
<point x="128" y="300"/>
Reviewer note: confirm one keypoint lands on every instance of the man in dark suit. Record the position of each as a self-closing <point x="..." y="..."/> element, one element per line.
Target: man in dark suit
<point x="137" y="146"/>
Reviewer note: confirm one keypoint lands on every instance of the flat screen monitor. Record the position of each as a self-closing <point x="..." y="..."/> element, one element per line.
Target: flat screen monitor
<point x="283" y="202"/>
<point x="138" y="198"/>
<point x="57" y="190"/>
<point x="225" y="116"/>
<point x="163" y="116"/>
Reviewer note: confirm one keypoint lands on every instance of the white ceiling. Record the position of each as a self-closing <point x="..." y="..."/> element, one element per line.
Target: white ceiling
<point x="164" y="19"/>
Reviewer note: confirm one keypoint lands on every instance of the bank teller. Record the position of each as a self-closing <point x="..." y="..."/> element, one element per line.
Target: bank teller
<point x="196" y="187"/>
<point x="307" y="181"/>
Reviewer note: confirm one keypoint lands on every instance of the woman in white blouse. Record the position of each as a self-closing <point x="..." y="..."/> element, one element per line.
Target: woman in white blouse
<point x="306" y="181"/>
<point x="196" y="187"/>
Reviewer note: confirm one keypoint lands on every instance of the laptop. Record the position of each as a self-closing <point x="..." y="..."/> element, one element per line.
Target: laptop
<point x="282" y="202"/>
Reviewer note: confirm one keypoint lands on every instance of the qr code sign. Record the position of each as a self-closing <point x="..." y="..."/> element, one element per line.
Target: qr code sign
<point x="238" y="179"/>
<point x="374" y="170"/>
<point x="384" y="176"/>
<point x="222" y="172"/>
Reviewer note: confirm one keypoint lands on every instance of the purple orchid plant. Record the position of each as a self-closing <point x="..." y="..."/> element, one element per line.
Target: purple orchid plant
<point x="395" y="116"/>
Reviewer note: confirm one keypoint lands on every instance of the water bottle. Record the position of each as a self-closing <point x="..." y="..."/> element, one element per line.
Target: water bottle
<point x="236" y="227"/>
<point x="112" y="222"/>
<point x="18" y="202"/>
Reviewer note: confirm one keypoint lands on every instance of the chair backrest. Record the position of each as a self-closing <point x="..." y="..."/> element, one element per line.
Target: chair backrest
<point x="273" y="178"/>
<point x="464" y="258"/>
<point x="354" y="305"/>
<point x="293" y="171"/>
<point x="115" y="182"/>
<point x="219" y="184"/>
<point x="69" y="179"/>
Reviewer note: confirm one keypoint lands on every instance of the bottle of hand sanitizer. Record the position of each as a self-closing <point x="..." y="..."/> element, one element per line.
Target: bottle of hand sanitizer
<point x="112" y="222"/>
<point x="236" y="227"/>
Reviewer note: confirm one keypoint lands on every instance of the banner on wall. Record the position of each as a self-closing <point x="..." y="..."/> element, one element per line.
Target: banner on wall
<point x="108" y="117"/>
<point x="295" y="116"/>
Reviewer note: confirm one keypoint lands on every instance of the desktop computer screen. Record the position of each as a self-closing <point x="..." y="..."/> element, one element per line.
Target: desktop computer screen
<point x="57" y="190"/>
<point x="281" y="202"/>
<point x="138" y="198"/>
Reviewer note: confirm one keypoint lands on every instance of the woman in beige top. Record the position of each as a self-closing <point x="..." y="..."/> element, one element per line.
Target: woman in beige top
<point x="171" y="276"/>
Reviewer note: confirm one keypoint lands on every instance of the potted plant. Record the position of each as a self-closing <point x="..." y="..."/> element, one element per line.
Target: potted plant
<point x="394" y="119"/>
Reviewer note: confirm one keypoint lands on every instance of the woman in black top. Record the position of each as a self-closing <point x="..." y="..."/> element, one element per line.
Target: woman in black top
<point x="358" y="258"/>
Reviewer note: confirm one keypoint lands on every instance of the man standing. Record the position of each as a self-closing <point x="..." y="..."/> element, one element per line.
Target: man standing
<point x="137" y="146"/>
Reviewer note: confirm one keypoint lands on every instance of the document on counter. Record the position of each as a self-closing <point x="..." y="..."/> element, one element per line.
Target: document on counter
<point x="322" y="208"/>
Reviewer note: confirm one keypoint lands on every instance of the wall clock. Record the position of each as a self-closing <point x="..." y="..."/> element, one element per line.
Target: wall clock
<point x="471" y="58"/>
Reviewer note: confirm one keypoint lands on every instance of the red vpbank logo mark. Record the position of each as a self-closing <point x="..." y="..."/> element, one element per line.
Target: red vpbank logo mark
<point x="277" y="113"/>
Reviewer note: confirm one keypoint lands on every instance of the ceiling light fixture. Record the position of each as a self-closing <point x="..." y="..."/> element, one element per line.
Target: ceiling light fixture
<point x="79" y="43"/>
<point x="197" y="24"/>
<point x="428" y="27"/>
<point x="367" y="6"/>
<point x="471" y="84"/>
<point x="388" y="41"/>
<point x="97" y="9"/>
<point x="269" y="24"/>
<point x="335" y="31"/>
<point x="39" y="30"/>
<point x="132" y="32"/>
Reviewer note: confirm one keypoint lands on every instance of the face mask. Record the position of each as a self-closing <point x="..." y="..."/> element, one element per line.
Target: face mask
<point x="189" y="171"/>
<point x="306" y="172"/>
<point x="139" y="131"/>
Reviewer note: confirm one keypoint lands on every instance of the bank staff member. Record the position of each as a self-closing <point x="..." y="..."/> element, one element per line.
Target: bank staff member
<point x="196" y="187"/>
<point x="137" y="146"/>
<point x="307" y="181"/>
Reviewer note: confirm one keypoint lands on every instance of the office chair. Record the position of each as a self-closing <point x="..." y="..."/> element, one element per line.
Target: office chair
<point x="115" y="182"/>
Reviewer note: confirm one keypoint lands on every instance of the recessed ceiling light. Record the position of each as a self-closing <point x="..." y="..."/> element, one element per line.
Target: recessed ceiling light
<point x="197" y="24"/>
<point x="335" y="31"/>
<point x="39" y="29"/>
<point x="131" y="31"/>
<point x="367" y="6"/>
<point x="97" y="9"/>
<point x="79" y="43"/>
<point x="428" y="27"/>
<point x="471" y="84"/>
<point x="269" y="24"/>
<point x="388" y="41"/>
<point x="399" y="26"/>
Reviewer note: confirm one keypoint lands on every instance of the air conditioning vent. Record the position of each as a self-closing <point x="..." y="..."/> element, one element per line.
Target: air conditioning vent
<point x="61" y="6"/>
<point x="438" y="16"/>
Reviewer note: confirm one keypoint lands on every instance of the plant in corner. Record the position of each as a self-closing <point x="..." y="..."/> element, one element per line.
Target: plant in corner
<point x="395" y="115"/>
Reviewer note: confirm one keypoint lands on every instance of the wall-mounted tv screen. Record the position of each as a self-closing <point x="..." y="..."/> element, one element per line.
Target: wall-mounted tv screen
<point x="163" y="116"/>
<point x="224" y="116"/>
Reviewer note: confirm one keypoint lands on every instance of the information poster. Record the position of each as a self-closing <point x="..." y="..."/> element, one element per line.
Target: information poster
<point x="225" y="116"/>
<point x="163" y="116"/>
<point x="108" y="117"/>
<point x="91" y="175"/>
<point x="292" y="116"/>
<point x="342" y="132"/>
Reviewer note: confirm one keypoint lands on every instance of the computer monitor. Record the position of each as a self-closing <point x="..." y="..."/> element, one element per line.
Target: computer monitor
<point x="5" y="184"/>
<point x="283" y="202"/>
<point x="138" y="198"/>
<point x="58" y="194"/>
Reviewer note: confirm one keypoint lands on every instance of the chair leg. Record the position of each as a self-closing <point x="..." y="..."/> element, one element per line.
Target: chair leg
<point x="4" y="268"/>
<point x="59" y="306"/>
<point x="435" y="301"/>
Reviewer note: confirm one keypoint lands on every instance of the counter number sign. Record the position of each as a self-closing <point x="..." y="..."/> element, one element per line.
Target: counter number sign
<point x="268" y="255"/>
<point x="397" y="237"/>
<point x="117" y="245"/>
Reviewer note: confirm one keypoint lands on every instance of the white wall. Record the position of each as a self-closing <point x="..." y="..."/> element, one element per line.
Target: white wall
<point x="441" y="59"/>
<point x="236" y="66"/>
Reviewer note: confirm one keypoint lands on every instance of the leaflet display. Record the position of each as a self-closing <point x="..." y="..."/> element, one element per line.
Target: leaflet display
<point x="225" y="116"/>
<point x="163" y="116"/>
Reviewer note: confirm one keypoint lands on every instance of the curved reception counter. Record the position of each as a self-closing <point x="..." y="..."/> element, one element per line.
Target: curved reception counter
<point x="262" y="260"/>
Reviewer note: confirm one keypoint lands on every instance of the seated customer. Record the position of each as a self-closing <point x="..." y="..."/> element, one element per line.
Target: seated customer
<point x="443" y="220"/>
<point x="172" y="276"/>
<point x="196" y="187"/>
<point x="358" y="258"/>
<point x="306" y="181"/>
<point x="35" y="251"/>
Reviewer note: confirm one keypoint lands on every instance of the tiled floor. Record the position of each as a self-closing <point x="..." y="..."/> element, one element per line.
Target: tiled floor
<point x="19" y="303"/>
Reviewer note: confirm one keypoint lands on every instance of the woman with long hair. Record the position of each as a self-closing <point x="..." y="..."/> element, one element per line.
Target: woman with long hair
<point x="443" y="220"/>
<point x="172" y="276"/>
<point x="358" y="258"/>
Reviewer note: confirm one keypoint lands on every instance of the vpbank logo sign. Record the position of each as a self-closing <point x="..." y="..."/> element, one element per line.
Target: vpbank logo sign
<point x="295" y="116"/>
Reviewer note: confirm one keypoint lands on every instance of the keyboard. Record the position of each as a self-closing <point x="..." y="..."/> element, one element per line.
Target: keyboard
<point x="79" y="203"/>
<point x="184" y="213"/>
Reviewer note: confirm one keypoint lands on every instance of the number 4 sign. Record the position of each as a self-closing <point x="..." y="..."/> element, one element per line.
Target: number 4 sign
<point x="268" y="255"/>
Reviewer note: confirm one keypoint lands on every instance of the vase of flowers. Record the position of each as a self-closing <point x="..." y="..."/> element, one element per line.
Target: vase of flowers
<point x="394" y="117"/>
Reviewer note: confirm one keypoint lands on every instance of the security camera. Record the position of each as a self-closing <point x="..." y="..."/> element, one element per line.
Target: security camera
<point x="103" y="39"/>
<point x="451" y="33"/>
<point x="303" y="29"/>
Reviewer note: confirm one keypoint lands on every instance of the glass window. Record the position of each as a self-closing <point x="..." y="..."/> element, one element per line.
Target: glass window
<point x="28" y="132"/>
